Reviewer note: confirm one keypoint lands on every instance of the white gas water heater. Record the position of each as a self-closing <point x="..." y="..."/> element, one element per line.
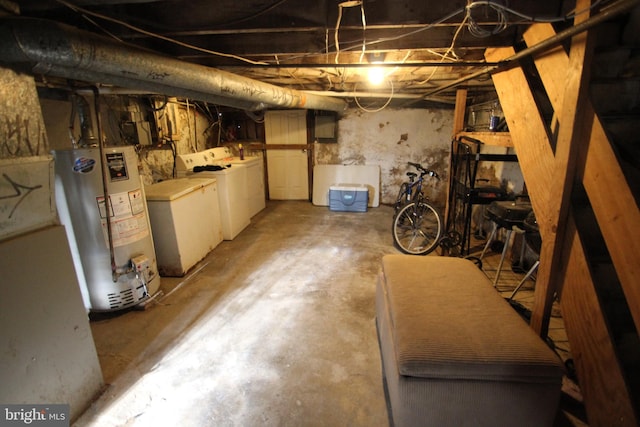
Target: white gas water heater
<point x="101" y="202"/>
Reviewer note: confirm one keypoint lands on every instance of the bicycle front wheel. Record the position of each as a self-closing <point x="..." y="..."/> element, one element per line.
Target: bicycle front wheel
<point x="417" y="228"/>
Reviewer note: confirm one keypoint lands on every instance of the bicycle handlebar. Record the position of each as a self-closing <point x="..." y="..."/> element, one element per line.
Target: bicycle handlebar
<point x="423" y="170"/>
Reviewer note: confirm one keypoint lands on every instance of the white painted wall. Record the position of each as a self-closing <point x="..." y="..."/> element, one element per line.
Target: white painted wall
<point x="390" y="138"/>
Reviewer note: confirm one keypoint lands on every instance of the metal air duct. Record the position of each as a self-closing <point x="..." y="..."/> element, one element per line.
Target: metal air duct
<point x="143" y="86"/>
<point x="57" y="47"/>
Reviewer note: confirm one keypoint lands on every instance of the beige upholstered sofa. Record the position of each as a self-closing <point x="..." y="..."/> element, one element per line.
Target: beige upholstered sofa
<point x="455" y="353"/>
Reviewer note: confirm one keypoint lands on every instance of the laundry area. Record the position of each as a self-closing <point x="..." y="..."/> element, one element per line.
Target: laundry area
<point x="219" y="217"/>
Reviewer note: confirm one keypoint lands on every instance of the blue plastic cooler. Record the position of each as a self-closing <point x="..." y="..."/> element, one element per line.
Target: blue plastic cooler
<point x="348" y="198"/>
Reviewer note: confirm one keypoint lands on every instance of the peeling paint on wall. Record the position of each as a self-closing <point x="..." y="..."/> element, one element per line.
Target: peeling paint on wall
<point x="391" y="138"/>
<point x="22" y="130"/>
<point x="155" y="166"/>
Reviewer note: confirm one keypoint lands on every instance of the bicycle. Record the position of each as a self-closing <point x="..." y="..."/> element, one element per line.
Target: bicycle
<point x="417" y="225"/>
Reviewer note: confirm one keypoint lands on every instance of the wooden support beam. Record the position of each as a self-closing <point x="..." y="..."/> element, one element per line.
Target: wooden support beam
<point x="606" y="396"/>
<point x="601" y="378"/>
<point x="531" y="141"/>
<point x="574" y="129"/>
<point x="459" y="112"/>
<point x="528" y="132"/>
<point x="611" y="198"/>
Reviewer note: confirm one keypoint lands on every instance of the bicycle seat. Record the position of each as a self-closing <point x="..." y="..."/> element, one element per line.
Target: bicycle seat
<point x="412" y="174"/>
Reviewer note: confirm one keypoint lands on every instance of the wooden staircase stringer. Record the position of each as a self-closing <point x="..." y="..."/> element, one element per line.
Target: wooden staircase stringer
<point x="609" y="193"/>
<point x="601" y="377"/>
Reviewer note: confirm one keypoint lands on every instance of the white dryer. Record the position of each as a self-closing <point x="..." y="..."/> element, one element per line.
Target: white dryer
<point x="232" y="187"/>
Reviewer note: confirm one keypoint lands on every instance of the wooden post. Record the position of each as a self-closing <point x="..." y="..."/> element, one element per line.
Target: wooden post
<point x="459" y="112"/>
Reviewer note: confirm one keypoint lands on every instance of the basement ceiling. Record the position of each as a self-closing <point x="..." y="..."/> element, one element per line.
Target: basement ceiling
<point x="326" y="46"/>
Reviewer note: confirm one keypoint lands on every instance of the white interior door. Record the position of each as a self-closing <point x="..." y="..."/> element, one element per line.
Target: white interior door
<point x="287" y="169"/>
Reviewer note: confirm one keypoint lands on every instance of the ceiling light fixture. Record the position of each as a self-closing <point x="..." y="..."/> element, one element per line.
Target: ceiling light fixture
<point x="376" y="75"/>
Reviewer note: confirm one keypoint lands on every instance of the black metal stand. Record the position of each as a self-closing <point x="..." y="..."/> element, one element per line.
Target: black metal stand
<point x="533" y="240"/>
<point x="510" y="216"/>
<point x="463" y="192"/>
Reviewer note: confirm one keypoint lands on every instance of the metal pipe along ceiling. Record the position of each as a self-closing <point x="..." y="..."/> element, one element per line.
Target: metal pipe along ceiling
<point x="64" y="51"/>
<point x="143" y="86"/>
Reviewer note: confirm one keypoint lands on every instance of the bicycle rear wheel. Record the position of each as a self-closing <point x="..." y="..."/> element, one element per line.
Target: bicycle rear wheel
<point x="417" y="228"/>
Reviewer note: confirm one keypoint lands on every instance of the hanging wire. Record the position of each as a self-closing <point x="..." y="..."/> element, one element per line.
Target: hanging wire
<point x="193" y="146"/>
<point x="364" y="30"/>
<point x="474" y="27"/>
<point x="348" y="3"/>
<point x="109" y="33"/>
<point x="219" y="126"/>
<point x="472" y="24"/>
<point x="411" y="33"/>
<point x="503" y="21"/>
<point x="336" y="39"/>
<point x="367" y="110"/>
<point x="326" y="43"/>
<point x="154" y="35"/>
<point x="445" y="56"/>
<point x="530" y="18"/>
<point x="402" y="61"/>
<point x="472" y="5"/>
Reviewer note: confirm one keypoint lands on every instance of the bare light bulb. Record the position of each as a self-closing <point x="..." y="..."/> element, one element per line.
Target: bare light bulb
<point x="376" y="75"/>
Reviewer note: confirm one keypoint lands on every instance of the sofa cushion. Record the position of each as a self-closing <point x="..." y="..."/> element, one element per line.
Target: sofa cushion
<point x="449" y="322"/>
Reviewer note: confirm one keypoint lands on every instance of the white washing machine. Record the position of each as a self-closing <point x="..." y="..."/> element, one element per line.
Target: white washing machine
<point x="232" y="187"/>
<point x="185" y="222"/>
<point x="256" y="198"/>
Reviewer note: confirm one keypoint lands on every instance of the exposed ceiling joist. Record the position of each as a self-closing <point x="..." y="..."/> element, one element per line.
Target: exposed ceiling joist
<point x="322" y="45"/>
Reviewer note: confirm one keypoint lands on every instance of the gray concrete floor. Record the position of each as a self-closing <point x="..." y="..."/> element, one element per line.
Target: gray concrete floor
<point x="274" y="328"/>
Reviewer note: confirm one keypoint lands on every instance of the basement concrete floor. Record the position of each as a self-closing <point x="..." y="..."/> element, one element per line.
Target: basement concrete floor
<point x="274" y="328"/>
